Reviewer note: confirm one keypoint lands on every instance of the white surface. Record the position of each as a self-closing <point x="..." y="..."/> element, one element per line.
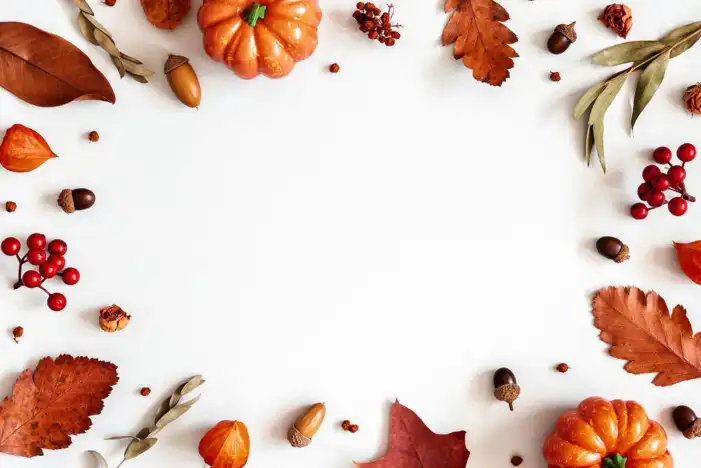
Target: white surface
<point x="397" y="230"/>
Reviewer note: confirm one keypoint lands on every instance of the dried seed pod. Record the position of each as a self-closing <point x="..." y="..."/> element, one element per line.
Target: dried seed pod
<point x="76" y="200"/>
<point x="561" y="38"/>
<point x="304" y="429"/>
<point x="613" y="249"/>
<point x="183" y="80"/>
<point x="686" y="421"/>
<point x="505" y="386"/>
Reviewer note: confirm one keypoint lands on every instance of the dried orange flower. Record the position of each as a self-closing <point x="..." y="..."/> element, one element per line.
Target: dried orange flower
<point x="113" y="319"/>
<point x="618" y="17"/>
<point x="692" y="99"/>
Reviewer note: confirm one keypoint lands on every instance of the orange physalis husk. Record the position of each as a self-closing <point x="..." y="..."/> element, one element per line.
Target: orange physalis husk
<point x="23" y="149"/>
<point x="689" y="258"/>
<point x="226" y="445"/>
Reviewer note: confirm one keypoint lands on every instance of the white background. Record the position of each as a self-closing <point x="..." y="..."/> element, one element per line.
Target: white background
<point x="397" y="230"/>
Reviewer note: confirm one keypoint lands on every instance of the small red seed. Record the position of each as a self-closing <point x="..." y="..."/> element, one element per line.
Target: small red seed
<point x="516" y="460"/>
<point x="562" y="367"/>
<point x="334" y="67"/>
<point x="145" y="391"/>
<point x="354" y="428"/>
<point x="10" y="206"/>
<point x="94" y="136"/>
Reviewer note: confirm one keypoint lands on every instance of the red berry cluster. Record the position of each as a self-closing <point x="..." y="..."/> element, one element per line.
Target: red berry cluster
<point x="376" y="24"/>
<point x="657" y="183"/>
<point x="50" y="266"/>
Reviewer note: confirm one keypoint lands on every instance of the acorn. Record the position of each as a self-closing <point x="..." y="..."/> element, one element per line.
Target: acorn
<point x="76" y="199"/>
<point x="613" y="249"/>
<point x="561" y="38"/>
<point x="183" y="80"/>
<point x="304" y="429"/>
<point x="505" y="386"/>
<point x="686" y="421"/>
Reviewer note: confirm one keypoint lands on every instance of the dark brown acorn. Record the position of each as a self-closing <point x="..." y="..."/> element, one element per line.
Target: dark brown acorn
<point x="613" y="249"/>
<point x="505" y="386"/>
<point x="686" y="421"/>
<point x="561" y="38"/>
<point x="75" y="200"/>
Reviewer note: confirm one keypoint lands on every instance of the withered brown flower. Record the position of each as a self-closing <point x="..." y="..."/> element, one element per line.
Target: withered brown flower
<point x="113" y="319"/>
<point x="618" y="17"/>
<point x="692" y="99"/>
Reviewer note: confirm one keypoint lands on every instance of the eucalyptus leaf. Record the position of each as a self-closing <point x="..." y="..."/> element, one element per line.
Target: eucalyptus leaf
<point x="174" y="413"/>
<point x="598" y="127"/>
<point x="685" y="45"/>
<point x="83" y="6"/>
<point x="627" y="52"/>
<point x="137" y="447"/>
<point x="606" y="97"/>
<point x="143" y="433"/>
<point x="650" y="81"/>
<point x="122" y="438"/>
<point x="588" y="144"/>
<point x="95" y="23"/>
<point x="136" y="69"/>
<point x="106" y="43"/>
<point x="681" y="32"/>
<point x="120" y="66"/>
<point x="588" y="99"/>
<point x="87" y="29"/>
<point x="130" y="58"/>
<point x="101" y="462"/>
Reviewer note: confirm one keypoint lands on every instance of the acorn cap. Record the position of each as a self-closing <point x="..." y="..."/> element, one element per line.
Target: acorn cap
<point x="297" y="439"/>
<point x="694" y="430"/>
<point x="173" y="62"/>
<point x="623" y="255"/>
<point x="65" y="201"/>
<point x="567" y="30"/>
<point x="508" y="393"/>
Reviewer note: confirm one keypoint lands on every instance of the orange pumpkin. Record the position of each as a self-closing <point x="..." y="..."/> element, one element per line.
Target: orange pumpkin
<point x="607" y="434"/>
<point x="260" y="37"/>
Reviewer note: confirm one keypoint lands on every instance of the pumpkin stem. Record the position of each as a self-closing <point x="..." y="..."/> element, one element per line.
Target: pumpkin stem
<point x="254" y="13"/>
<point x="615" y="461"/>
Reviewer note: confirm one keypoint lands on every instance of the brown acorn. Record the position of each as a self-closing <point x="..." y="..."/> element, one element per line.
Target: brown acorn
<point x="561" y="38"/>
<point x="303" y="430"/>
<point x="183" y="80"/>
<point x="686" y="421"/>
<point x="505" y="386"/>
<point x="613" y="249"/>
<point x="76" y="200"/>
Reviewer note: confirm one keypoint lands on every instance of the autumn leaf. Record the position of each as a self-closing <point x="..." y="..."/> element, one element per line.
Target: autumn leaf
<point x="480" y="38"/>
<point x="23" y="149"/>
<point x="52" y="403"/>
<point x="413" y="445"/>
<point x="166" y="14"/>
<point x="226" y="445"/>
<point x="640" y="330"/>
<point x="689" y="258"/>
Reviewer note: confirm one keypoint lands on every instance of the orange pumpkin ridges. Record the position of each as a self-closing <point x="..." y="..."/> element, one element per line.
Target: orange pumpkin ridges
<point x="254" y="39"/>
<point x="23" y="149"/>
<point x="602" y="433"/>
<point x="226" y="445"/>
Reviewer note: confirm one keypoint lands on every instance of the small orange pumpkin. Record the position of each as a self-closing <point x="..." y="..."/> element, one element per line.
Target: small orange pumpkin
<point x="260" y="37"/>
<point x="607" y="434"/>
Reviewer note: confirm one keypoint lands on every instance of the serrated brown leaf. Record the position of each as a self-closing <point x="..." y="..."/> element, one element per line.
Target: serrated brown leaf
<point x="46" y="70"/>
<point x="52" y="403"/>
<point x="166" y="14"/>
<point x="413" y="445"/>
<point x="640" y="330"/>
<point x="480" y="38"/>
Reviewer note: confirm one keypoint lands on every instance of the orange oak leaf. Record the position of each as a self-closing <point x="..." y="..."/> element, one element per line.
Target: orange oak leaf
<point x="640" y="330"/>
<point x="689" y="258"/>
<point x="52" y="403"/>
<point x="480" y="38"/>
<point x="166" y="14"/>
<point x="23" y="149"/>
<point x="226" y="445"/>
<point x="413" y="445"/>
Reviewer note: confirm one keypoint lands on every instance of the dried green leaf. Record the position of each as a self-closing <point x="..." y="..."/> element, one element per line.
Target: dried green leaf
<point x="95" y="23"/>
<point x="130" y="58"/>
<point x="588" y="99"/>
<point x="106" y="43"/>
<point x="143" y="433"/>
<point x="86" y="29"/>
<point x="588" y="144"/>
<point x="122" y="438"/>
<point x="138" y="78"/>
<point x="101" y="462"/>
<point x="598" y="127"/>
<point x="192" y="384"/>
<point x="681" y="32"/>
<point x="602" y="103"/>
<point x="684" y="45"/>
<point x="174" y="413"/>
<point x="83" y="6"/>
<point x="119" y="65"/>
<point x="650" y="81"/>
<point x="136" y="69"/>
<point x="627" y="52"/>
<point x="137" y="447"/>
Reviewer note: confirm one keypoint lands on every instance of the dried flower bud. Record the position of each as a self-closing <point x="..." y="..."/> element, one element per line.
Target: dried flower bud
<point x="10" y="206"/>
<point x="618" y="17"/>
<point x="17" y="333"/>
<point x="692" y="99"/>
<point x="145" y="391"/>
<point x="113" y="319"/>
<point x="93" y="136"/>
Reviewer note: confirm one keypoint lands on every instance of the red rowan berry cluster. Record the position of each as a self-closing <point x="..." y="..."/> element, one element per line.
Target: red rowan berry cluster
<point x="657" y="183"/>
<point x="376" y="24"/>
<point x="50" y="258"/>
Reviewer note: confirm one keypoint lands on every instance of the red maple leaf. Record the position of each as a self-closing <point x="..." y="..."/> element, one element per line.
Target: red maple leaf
<point x="413" y="445"/>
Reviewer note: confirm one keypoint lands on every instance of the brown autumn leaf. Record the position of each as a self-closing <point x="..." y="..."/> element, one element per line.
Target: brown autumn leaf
<point x="480" y="38"/>
<point x="413" y="445"/>
<point x="52" y="403"/>
<point x="166" y="14"/>
<point x="640" y="330"/>
<point x="689" y="258"/>
<point x="46" y="70"/>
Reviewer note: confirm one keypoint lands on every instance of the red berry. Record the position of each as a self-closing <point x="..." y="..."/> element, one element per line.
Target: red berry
<point x="10" y="246"/>
<point x="36" y="241"/>
<point x="31" y="279"/>
<point x="58" y="260"/>
<point x="56" y="302"/>
<point x="686" y="152"/>
<point x="660" y="182"/>
<point x="48" y="270"/>
<point x="373" y="35"/>
<point x="677" y="206"/>
<point x="650" y="171"/>
<point x="58" y="247"/>
<point x="644" y="190"/>
<point x="656" y="199"/>
<point x="639" y="211"/>
<point x="36" y="256"/>
<point x="71" y="276"/>
<point x="676" y="175"/>
<point x="396" y="35"/>
<point x="662" y="155"/>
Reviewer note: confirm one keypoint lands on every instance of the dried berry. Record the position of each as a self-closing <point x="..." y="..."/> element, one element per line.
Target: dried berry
<point x="76" y="200"/>
<point x="346" y="424"/>
<point x="555" y="76"/>
<point x="353" y="429"/>
<point x="613" y="249"/>
<point x="17" y="333"/>
<point x="692" y="99"/>
<point x="113" y="319"/>
<point x="183" y="80"/>
<point x="516" y="460"/>
<point x="505" y="386"/>
<point x="562" y="367"/>
<point x="145" y="391"/>
<point x="686" y="421"/>
<point x="561" y="38"/>
<point x="10" y="206"/>
<point x="334" y="68"/>
<point x="376" y="24"/>
<point x="94" y="137"/>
